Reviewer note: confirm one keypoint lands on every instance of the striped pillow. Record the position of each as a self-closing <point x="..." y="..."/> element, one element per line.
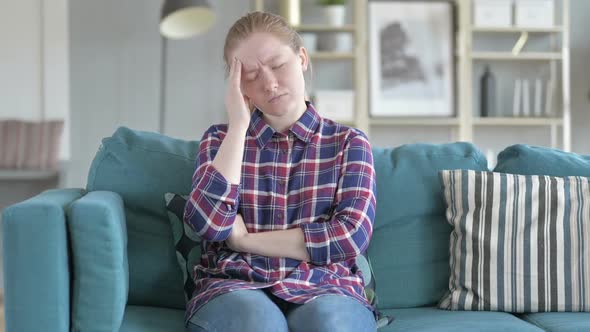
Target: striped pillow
<point x="520" y="243"/>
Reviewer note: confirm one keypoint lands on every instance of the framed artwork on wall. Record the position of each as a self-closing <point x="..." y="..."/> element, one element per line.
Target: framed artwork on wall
<point x="411" y="60"/>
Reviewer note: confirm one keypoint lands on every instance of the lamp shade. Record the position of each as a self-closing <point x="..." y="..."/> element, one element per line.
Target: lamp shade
<point x="185" y="18"/>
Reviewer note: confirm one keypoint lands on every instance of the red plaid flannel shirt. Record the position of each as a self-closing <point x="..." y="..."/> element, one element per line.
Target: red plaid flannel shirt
<point x="318" y="176"/>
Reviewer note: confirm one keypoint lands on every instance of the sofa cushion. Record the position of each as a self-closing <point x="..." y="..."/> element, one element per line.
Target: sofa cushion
<point x="536" y="160"/>
<point x="187" y="242"/>
<point x="152" y="319"/>
<point x="141" y="167"/>
<point x="519" y="242"/>
<point x="409" y="249"/>
<point x="436" y="320"/>
<point x="560" y="321"/>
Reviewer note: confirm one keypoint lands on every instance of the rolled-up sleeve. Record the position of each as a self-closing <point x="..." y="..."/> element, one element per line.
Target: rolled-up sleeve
<point x="349" y="230"/>
<point x="212" y="205"/>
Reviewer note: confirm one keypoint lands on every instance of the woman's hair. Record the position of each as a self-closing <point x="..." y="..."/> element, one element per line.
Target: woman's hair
<point x="259" y="22"/>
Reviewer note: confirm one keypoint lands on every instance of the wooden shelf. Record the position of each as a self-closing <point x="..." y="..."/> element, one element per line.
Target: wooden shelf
<point x="324" y="28"/>
<point x="521" y="56"/>
<point x="517" y="121"/>
<point x="6" y="174"/>
<point x="414" y="121"/>
<point x="332" y="56"/>
<point x="556" y="29"/>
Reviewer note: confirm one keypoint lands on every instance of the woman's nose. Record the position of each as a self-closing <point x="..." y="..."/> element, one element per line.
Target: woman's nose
<point x="270" y="82"/>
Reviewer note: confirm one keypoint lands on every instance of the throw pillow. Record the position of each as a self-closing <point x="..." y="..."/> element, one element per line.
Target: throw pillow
<point x="519" y="243"/>
<point x="186" y="241"/>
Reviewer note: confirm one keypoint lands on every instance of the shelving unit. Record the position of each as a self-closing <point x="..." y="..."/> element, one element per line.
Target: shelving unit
<point x="20" y="175"/>
<point x="332" y="56"/>
<point x="414" y="121"/>
<point x="555" y="29"/>
<point x="514" y="121"/>
<point x="324" y="28"/>
<point x="555" y="57"/>
<point x="510" y="56"/>
<point x="465" y="123"/>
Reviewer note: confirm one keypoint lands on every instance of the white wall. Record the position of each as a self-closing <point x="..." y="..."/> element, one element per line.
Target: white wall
<point x="20" y="61"/>
<point x="580" y="74"/>
<point x="114" y="56"/>
<point x="115" y="73"/>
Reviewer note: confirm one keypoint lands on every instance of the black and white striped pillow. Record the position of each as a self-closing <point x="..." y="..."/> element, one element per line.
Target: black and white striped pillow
<point x="520" y="243"/>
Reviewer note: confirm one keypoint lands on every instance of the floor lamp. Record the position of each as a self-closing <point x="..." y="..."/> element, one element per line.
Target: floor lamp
<point x="180" y="19"/>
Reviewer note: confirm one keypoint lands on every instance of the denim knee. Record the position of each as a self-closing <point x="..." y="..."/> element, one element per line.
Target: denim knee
<point x="331" y="313"/>
<point x="244" y="310"/>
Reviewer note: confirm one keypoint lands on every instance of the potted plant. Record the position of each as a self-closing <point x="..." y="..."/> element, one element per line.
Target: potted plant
<point x="334" y="11"/>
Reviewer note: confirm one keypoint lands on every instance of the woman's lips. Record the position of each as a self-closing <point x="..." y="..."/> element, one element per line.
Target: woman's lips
<point x="276" y="99"/>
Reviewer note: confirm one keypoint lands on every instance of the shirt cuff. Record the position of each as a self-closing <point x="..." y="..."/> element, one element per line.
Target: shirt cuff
<point x="216" y="186"/>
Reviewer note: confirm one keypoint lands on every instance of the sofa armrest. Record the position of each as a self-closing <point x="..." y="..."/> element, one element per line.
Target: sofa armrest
<point x="100" y="270"/>
<point x="36" y="268"/>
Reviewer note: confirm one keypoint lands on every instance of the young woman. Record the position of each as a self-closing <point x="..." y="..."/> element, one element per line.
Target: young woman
<point x="283" y="199"/>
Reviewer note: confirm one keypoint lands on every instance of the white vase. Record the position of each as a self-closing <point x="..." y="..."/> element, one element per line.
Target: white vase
<point x="335" y="42"/>
<point x="334" y="15"/>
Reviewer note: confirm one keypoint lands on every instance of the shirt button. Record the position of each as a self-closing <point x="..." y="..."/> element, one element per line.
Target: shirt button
<point x="284" y="151"/>
<point x="280" y="215"/>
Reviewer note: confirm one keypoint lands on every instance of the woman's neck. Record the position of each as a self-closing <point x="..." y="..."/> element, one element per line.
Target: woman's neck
<point x="282" y="123"/>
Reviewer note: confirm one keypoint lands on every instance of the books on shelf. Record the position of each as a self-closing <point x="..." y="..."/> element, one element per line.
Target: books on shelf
<point x="537" y="101"/>
<point x="516" y="98"/>
<point x="522" y="98"/>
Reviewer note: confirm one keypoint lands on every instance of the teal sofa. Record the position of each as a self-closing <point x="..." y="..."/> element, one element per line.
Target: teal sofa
<point x="102" y="258"/>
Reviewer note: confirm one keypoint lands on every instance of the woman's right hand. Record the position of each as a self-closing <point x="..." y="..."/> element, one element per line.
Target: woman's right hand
<point x="236" y="104"/>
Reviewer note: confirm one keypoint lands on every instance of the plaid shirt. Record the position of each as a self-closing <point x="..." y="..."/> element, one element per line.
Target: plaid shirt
<point x="319" y="176"/>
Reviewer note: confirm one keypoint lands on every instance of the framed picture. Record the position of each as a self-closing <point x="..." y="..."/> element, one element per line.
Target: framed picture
<point x="411" y="61"/>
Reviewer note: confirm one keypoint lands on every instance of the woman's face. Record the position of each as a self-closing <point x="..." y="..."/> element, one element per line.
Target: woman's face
<point x="272" y="74"/>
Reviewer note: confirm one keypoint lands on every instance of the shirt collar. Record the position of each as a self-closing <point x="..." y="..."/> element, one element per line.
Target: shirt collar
<point x="303" y="129"/>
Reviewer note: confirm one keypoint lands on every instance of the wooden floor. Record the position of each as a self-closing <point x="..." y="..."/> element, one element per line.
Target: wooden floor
<point x="2" y="329"/>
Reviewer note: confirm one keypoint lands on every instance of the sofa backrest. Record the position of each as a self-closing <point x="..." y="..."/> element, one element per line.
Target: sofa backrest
<point x="409" y="251"/>
<point x="142" y="167"/>
<point x="536" y="160"/>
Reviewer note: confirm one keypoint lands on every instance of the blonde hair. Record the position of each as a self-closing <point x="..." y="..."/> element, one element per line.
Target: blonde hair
<point x="260" y="22"/>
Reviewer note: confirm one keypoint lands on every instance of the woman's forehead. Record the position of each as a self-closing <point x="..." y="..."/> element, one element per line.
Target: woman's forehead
<point x="260" y="48"/>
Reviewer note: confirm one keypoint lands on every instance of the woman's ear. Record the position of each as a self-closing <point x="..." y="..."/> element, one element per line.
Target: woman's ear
<point x="303" y="56"/>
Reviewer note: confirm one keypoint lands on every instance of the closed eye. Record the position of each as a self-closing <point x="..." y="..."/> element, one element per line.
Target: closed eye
<point x="277" y="67"/>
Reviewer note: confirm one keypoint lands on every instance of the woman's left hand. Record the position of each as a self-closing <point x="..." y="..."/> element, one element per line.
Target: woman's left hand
<point x="236" y="239"/>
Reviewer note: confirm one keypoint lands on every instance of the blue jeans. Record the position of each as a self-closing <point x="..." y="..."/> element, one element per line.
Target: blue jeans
<point x="258" y="310"/>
